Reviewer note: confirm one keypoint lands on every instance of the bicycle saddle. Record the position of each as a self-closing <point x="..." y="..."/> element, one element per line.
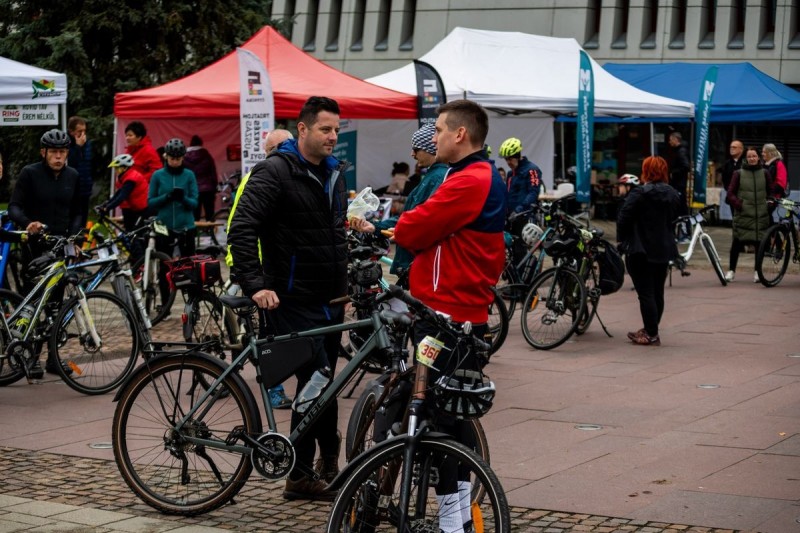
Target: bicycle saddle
<point x="236" y="302"/>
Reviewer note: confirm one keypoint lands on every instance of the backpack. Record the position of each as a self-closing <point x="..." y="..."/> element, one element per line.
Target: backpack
<point x="612" y="268"/>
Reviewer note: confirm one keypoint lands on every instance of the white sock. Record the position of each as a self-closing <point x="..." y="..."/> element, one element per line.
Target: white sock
<point x="465" y="500"/>
<point x="450" y="513"/>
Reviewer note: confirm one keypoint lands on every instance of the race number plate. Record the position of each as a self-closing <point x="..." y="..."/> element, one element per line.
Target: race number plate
<point x="428" y="350"/>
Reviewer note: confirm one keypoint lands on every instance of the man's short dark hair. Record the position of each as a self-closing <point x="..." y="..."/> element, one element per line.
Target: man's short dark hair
<point x="137" y="128"/>
<point x="313" y="106"/>
<point x="74" y="122"/>
<point x="196" y="141"/>
<point x="468" y="114"/>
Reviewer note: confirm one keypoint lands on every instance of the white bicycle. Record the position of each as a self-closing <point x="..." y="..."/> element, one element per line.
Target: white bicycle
<point x="695" y="222"/>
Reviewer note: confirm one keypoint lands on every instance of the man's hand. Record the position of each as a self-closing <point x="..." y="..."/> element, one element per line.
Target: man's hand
<point x="362" y="225"/>
<point x="266" y="299"/>
<point x="80" y="138"/>
<point x="34" y="228"/>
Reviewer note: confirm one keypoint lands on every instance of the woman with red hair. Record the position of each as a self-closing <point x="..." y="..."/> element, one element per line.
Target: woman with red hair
<point x="646" y="237"/>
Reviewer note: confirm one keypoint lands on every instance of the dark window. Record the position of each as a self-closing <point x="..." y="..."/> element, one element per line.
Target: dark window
<point x="311" y="26"/>
<point x="677" y="33"/>
<point x="766" y="35"/>
<point x="621" y="11"/>
<point x="288" y="14"/>
<point x="359" y="12"/>
<point x="409" y="17"/>
<point x="708" y="23"/>
<point x="649" y="24"/>
<point x="593" y="24"/>
<point x="794" y="25"/>
<point x="334" y="23"/>
<point x="738" y="9"/>
<point x="384" y="17"/>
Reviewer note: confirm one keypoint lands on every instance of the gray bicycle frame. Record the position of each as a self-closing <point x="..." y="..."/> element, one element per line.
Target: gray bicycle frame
<point x="378" y="340"/>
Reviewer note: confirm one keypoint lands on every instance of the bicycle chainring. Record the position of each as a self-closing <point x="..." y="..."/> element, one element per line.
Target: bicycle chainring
<point x="19" y="354"/>
<point x="277" y="460"/>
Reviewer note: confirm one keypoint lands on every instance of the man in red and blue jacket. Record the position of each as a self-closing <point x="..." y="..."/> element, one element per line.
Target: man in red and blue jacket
<point x="457" y="234"/>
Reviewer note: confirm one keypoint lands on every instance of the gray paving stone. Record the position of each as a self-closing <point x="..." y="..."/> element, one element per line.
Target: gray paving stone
<point x="92" y="517"/>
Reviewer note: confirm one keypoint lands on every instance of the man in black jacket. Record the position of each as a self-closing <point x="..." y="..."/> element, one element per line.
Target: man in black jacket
<point x="295" y="204"/>
<point x="679" y="167"/>
<point x="46" y="194"/>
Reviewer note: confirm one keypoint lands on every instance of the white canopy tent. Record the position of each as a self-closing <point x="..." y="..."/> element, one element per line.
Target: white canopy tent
<point x="31" y="96"/>
<point x="525" y="80"/>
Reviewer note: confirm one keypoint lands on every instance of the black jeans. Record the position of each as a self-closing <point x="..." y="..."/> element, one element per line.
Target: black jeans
<point x="166" y="244"/>
<point x="205" y="202"/>
<point x="293" y="316"/>
<point x="737" y="246"/>
<point x="648" y="280"/>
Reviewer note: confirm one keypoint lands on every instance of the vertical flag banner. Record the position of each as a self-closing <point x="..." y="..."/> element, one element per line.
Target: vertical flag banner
<point x="585" y="131"/>
<point x="701" y="116"/>
<point x="256" y="108"/>
<point x="430" y="92"/>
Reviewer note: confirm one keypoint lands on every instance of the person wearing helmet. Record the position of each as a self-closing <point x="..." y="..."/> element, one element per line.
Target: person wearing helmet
<point x="524" y="178"/>
<point x="46" y="194"/>
<point x="145" y="157"/>
<point x="131" y="194"/>
<point x="173" y="196"/>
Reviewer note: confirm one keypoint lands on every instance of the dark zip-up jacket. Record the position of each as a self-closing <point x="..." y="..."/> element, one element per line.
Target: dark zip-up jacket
<point x="644" y="224"/>
<point x="300" y="221"/>
<point x="40" y="195"/>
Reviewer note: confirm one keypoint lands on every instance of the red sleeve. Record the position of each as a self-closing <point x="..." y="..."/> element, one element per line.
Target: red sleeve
<point x="457" y="202"/>
<point x="781" y="177"/>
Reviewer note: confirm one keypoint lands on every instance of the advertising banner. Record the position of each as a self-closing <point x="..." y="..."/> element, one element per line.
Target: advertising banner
<point x="585" y="131"/>
<point x="29" y="115"/>
<point x="702" y="114"/>
<point x="256" y="108"/>
<point x="345" y="150"/>
<point x="430" y="92"/>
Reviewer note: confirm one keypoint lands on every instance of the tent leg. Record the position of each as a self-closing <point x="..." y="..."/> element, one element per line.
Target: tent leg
<point x="652" y="139"/>
<point x="113" y="154"/>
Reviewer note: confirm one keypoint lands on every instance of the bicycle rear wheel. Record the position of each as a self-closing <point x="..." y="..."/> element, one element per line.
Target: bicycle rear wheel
<point x="157" y="302"/>
<point x="498" y="322"/>
<point x="551" y="310"/>
<point x="772" y="257"/>
<point x="592" y="299"/>
<point x="96" y="369"/>
<point x="713" y="258"/>
<point x="10" y="370"/>
<point x="206" y="320"/>
<point x="156" y="461"/>
<point x="442" y="474"/>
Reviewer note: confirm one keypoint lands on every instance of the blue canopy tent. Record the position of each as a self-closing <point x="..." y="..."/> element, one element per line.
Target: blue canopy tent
<point x="742" y="94"/>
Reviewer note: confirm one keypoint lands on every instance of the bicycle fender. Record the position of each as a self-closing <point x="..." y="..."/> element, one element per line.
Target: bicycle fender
<point x="364" y="456"/>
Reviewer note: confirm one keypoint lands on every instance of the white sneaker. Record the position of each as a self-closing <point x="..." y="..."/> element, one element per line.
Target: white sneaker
<point x="755" y="277"/>
<point x="730" y="275"/>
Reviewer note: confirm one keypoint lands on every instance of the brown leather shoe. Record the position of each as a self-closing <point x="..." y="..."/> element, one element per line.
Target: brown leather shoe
<point x="646" y="340"/>
<point x="327" y="466"/>
<point x="633" y="334"/>
<point x="306" y="488"/>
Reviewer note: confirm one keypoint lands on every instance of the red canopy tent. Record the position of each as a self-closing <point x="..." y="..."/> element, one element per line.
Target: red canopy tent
<point x="206" y="103"/>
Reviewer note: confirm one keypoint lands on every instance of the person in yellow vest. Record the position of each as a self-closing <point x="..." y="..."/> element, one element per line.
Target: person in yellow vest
<point x="277" y="395"/>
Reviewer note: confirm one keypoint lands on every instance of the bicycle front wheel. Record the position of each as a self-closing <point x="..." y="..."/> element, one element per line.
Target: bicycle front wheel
<point x="498" y="322"/>
<point x="11" y="369"/>
<point x="158" y="299"/>
<point x="442" y="474"/>
<point x="156" y="460"/>
<point x="99" y="364"/>
<point x="551" y="310"/>
<point x="207" y="320"/>
<point x="772" y="258"/>
<point x="713" y="258"/>
<point x="592" y="299"/>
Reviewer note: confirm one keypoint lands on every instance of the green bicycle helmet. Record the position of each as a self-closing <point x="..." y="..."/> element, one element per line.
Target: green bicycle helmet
<point x="511" y="147"/>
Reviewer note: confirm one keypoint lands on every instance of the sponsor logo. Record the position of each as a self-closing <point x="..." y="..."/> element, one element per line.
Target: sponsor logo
<point x="45" y="89"/>
<point x="254" y="83"/>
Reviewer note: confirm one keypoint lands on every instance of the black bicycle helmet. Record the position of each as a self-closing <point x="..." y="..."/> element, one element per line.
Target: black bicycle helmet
<point x="55" y="139"/>
<point x="175" y="148"/>
<point x="466" y="394"/>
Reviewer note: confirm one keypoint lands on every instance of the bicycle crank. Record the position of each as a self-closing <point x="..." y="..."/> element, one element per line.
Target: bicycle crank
<point x="273" y="457"/>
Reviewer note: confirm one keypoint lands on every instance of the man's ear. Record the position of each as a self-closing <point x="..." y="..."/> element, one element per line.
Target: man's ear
<point x="461" y="134"/>
<point x="301" y="129"/>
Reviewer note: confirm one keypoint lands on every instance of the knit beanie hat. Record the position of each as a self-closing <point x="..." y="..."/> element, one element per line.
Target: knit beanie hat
<point x="422" y="139"/>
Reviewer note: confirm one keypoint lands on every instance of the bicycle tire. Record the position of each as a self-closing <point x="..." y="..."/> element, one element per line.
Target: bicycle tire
<point x="9" y="373"/>
<point x="713" y="257"/>
<point x="354" y="339"/>
<point x="206" y="320"/>
<point x="95" y="369"/>
<point x="157" y="307"/>
<point x="498" y="322"/>
<point x="548" y="321"/>
<point x="356" y="509"/>
<point x="772" y="257"/>
<point x="148" y="451"/>
<point x="592" y="299"/>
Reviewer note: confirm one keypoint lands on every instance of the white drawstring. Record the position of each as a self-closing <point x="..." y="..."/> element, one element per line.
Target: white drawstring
<point x="436" y="265"/>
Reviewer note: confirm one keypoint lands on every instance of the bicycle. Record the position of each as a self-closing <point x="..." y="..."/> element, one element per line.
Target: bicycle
<point x="93" y="334"/>
<point x="148" y="271"/>
<point x="419" y="480"/>
<point x="698" y="234"/>
<point x="227" y="191"/>
<point x="187" y="449"/>
<point x="775" y="249"/>
<point x="9" y="259"/>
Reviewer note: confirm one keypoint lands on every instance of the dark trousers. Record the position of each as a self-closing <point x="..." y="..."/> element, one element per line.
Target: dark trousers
<point x="737" y="247"/>
<point x="206" y="201"/>
<point x="648" y="280"/>
<point x="679" y="184"/>
<point x="292" y="316"/>
<point x="186" y="246"/>
<point x="130" y="219"/>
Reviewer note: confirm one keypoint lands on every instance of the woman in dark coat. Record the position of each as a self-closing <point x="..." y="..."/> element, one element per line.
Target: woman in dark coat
<point x="646" y="237"/>
<point x="747" y="195"/>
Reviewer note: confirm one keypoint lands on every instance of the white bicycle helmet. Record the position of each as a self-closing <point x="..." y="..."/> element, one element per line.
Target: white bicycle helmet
<point x="531" y="233"/>
<point x="629" y="179"/>
<point x="121" y="161"/>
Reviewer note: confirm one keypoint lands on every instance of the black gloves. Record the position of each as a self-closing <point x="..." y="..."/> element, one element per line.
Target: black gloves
<point x="176" y="195"/>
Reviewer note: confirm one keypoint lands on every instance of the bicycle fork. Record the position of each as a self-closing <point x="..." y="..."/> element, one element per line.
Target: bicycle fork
<point x="84" y="320"/>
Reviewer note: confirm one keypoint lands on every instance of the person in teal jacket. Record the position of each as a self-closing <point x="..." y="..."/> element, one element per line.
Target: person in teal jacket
<point x="173" y="197"/>
<point x="424" y="151"/>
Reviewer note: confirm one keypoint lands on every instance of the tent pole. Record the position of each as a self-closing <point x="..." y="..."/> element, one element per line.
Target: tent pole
<point x="64" y="116"/>
<point x="563" y="157"/>
<point x="113" y="154"/>
<point x="652" y="139"/>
